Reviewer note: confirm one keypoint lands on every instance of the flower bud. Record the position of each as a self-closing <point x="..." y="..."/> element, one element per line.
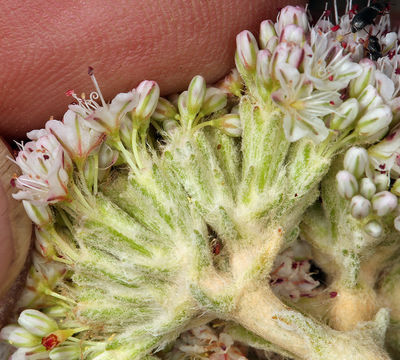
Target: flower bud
<point x="360" y="207"/>
<point x="182" y="105"/>
<point x="366" y="78"/>
<point x="170" y="125"/>
<point x="396" y="188"/>
<point x="292" y="15"/>
<point x="373" y="228"/>
<point x="263" y="75"/>
<point x="36" y="322"/>
<point x="164" y="110"/>
<point x="345" y="115"/>
<point x="369" y="98"/>
<point x="149" y="92"/>
<point x="396" y="223"/>
<point x="230" y="124"/>
<point x="43" y="243"/>
<point x="272" y="44"/>
<point x="56" y="311"/>
<point x="367" y="188"/>
<point x="388" y="42"/>
<point x="267" y="31"/>
<point x="356" y="160"/>
<point x="69" y="352"/>
<point x="382" y="182"/>
<point x="19" y="337"/>
<point x="196" y="93"/>
<point x="231" y="83"/>
<point x="347" y="185"/>
<point x="374" y="121"/>
<point x="39" y="214"/>
<point x="384" y="202"/>
<point x="286" y="53"/>
<point x="246" y="52"/>
<point x="293" y="33"/>
<point x="214" y="100"/>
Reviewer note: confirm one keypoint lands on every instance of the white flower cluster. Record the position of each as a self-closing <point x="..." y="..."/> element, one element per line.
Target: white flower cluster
<point x="291" y="276"/>
<point x="204" y="342"/>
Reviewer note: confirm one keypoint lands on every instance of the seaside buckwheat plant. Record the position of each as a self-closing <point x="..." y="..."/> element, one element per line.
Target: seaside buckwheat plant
<point x="266" y="203"/>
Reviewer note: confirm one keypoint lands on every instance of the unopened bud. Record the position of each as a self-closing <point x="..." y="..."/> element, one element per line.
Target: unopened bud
<point x="347" y="185"/>
<point x="149" y="92"/>
<point x="293" y="33"/>
<point x="396" y="188"/>
<point x="286" y="53"/>
<point x="267" y="31"/>
<point x="231" y="83"/>
<point x="374" y="121"/>
<point x="230" y="124"/>
<point x="214" y="100"/>
<point x="36" y="322"/>
<point x="19" y="337"/>
<point x="373" y="228"/>
<point x="164" y="110"/>
<point x="69" y="352"/>
<point x="382" y="182"/>
<point x="360" y="207"/>
<point x="345" y="115"/>
<point x="384" y="202"/>
<point x="39" y="214"/>
<point x="43" y="243"/>
<point x="396" y="223"/>
<point x="292" y="15"/>
<point x="182" y="105"/>
<point x="272" y="44"/>
<point x="366" y="78"/>
<point x="196" y="93"/>
<point x="367" y="188"/>
<point x="56" y="311"/>
<point x="170" y="125"/>
<point x="356" y="160"/>
<point x="263" y="76"/>
<point x="246" y="52"/>
<point x="369" y="98"/>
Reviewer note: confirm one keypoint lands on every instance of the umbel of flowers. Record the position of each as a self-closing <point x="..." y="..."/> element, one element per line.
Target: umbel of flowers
<point x="154" y="216"/>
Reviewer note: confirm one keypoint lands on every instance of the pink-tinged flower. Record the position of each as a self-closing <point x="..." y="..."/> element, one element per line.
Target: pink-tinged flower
<point x="231" y="84"/>
<point x="149" y="93"/>
<point x="267" y="31"/>
<point x="74" y="135"/>
<point x="107" y="118"/>
<point x="246" y="51"/>
<point x="286" y="54"/>
<point x="303" y="107"/>
<point x="45" y="171"/>
<point x="292" y="15"/>
<point x="326" y="66"/>
<point x="293" y="33"/>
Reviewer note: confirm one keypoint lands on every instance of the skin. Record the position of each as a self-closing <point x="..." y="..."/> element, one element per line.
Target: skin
<point x="47" y="46"/>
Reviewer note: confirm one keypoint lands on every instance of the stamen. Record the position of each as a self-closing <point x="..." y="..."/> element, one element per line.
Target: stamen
<point x="96" y="85"/>
<point x="336" y="12"/>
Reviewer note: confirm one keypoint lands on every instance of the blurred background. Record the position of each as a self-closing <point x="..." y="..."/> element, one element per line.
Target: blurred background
<point x="317" y="6"/>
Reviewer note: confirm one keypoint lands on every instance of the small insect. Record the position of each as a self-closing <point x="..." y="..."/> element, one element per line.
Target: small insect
<point x="372" y="47"/>
<point x="366" y="16"/>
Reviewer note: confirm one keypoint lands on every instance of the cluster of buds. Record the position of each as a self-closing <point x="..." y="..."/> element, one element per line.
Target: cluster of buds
<point x="200" y="106"/>
<point x="37" y="336"/>
<point x="205" y="342"/>
<point x="291" y="276"/>
<point x="369" y="191"/>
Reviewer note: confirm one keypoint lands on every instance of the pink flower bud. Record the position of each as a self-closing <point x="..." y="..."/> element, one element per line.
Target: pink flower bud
<point x="214" y="100"/>
<point x="293" y="33"/>
<point x="356" y="160"/>
<point x="292" y="15"/>
<point x="230" y="124"/>
<point x="347" y="185"/>
<point x="384" y="202"/>
<point x="43" y="243"/>
<point x="286" y="53"/>
<point x="36" y="322"/>
<point x="263" y="75"/>
<point x="369" y="98"/>
<point x="246" y="52"/>
<point x="267" y="31"/>
<point x="231" y="83"/>
<point x="360" y="207"/>
<point x="148" y="92"/>
<point x="164" y="110"/>
<point x="381" y="181"/>
<point x="19" y="336"/>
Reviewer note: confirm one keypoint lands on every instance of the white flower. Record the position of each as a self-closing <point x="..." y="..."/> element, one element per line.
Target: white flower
<point x="327" y="67"/>
<point x="302" y="106"/>
<point x="45" y="168"/>
<point x="75" y="136"/>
